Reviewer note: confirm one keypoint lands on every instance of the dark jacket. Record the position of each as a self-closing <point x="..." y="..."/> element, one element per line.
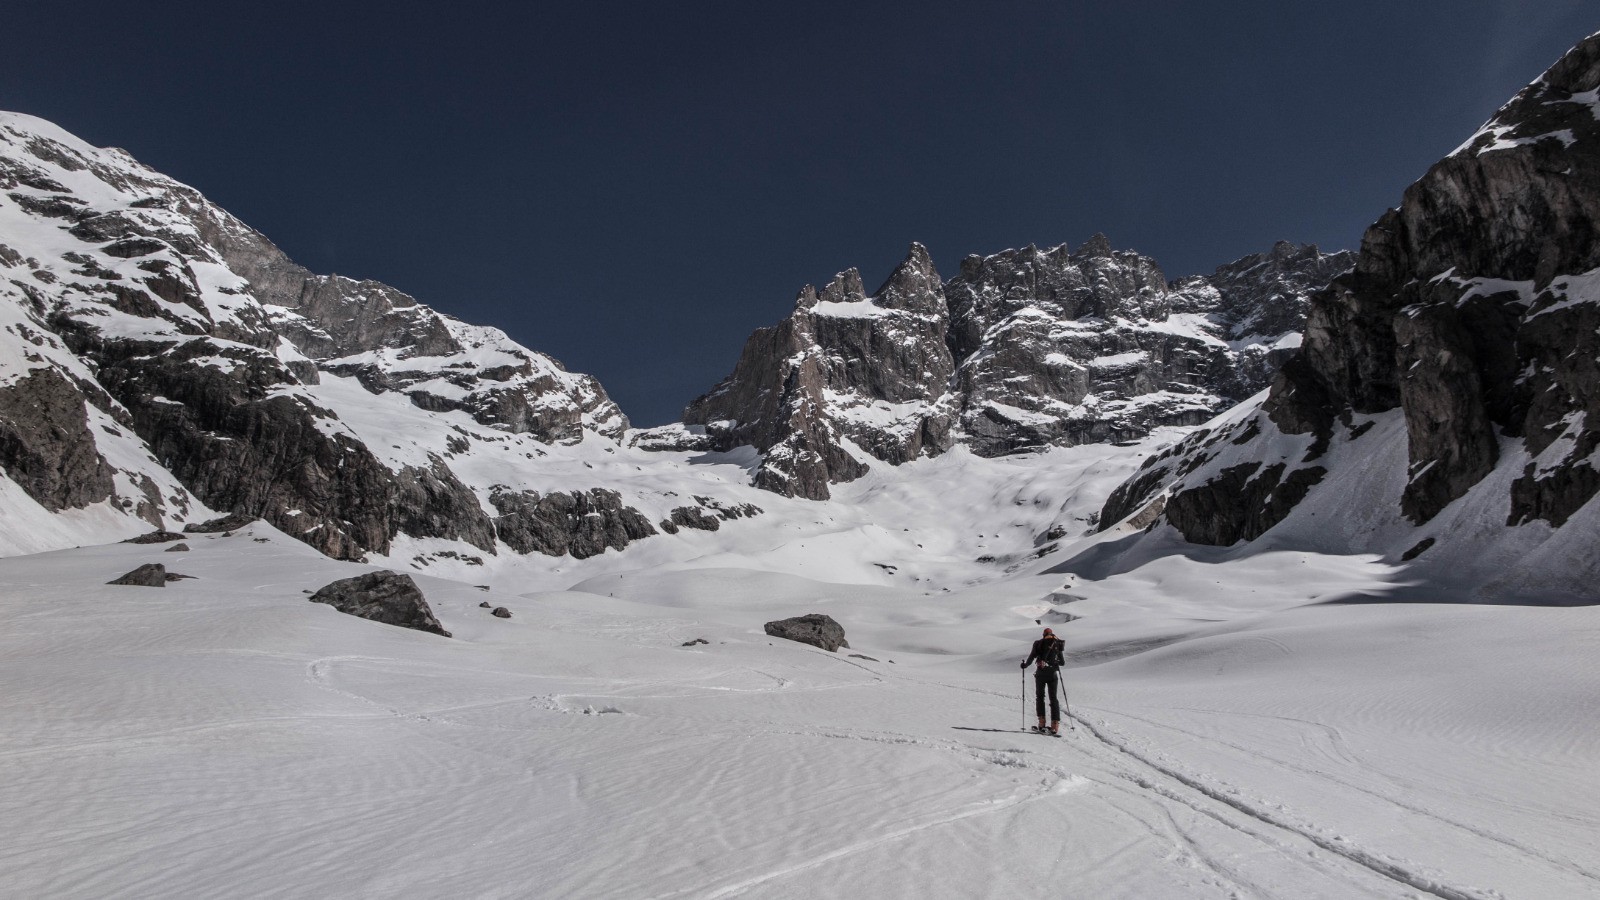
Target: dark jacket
<point x="1049" y="651"/>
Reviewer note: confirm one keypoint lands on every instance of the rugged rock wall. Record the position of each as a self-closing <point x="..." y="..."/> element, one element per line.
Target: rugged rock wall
<point x="1020" y="350"/>
<point x="580" y="523"/>
<point x="46" y="445"/>
<point x="1473" y="311"/>
<point x="870" y="370"/>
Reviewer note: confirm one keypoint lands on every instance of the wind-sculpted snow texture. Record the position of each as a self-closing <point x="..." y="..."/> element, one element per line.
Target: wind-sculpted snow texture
<point x="1021" y="350"/>
<point x="161" y="360"/>
<point x="1469" y="330"/>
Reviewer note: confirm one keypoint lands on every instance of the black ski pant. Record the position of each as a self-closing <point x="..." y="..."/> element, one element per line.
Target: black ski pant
<point x="1046" y="678"/>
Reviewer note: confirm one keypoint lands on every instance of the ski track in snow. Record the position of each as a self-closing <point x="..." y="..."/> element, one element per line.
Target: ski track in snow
<point x="1387" y="798"/>
<point x="1375" y="862"/>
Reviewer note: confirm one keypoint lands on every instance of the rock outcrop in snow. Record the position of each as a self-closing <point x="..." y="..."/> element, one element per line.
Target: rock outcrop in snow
<point x="816" y="629"/>
<point x="385" y="597"/>
<point x="1469" y="322"/>
<point x="147" y="575"/>
<point x="1020" y="350"/>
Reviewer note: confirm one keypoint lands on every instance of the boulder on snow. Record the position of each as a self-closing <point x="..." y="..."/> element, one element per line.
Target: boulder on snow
<point x="386" y="597"/>
<point x="815" y="629"/>
<point x="230" y="522"/>
<point x="178" y="548"/>
<point x="501" y="612"/>
<point x="155" y="537"/>
<point x="147" y="575"/>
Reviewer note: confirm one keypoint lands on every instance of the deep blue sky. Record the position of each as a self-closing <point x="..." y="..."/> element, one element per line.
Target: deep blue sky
<point x="634" y="187"/>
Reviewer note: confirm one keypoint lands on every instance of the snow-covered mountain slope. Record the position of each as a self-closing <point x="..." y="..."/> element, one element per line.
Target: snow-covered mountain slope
<point x="160" y="361"/>
<point x="1023" y="349"/>
<point x="224" y="737"/>
<point x="1442" y="412"/>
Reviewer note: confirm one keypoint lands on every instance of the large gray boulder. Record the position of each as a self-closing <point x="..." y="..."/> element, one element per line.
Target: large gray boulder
<point x="815" y="629"/>
<point x="386" y="597"/>
<point x="148" y="575"/>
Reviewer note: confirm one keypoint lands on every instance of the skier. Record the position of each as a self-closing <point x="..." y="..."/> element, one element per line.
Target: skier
<point x="1049" y="653"/>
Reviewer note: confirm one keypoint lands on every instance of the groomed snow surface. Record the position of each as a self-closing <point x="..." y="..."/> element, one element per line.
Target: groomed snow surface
<point x="1232" y="734"/>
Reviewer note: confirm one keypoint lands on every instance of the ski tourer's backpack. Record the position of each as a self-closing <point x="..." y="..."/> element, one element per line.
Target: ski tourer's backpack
<point x="1055" y="655"/>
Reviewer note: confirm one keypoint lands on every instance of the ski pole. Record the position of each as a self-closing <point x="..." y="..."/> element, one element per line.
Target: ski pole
<point x="1066" y="701"/>
<point x="1024" y="699"/>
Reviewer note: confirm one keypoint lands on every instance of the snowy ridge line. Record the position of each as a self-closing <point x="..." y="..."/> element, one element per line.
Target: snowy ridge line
<point x="1568" y="865"/>
<point x="1360" y="857"/>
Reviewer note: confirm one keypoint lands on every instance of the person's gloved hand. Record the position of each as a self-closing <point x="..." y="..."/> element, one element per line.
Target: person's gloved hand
<point x="1024" y="664"/>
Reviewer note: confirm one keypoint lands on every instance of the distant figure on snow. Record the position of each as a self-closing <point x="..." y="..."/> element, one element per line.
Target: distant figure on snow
<point x="1049" y="653"/>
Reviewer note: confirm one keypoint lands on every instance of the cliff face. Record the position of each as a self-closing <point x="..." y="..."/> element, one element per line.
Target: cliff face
<point x="159" y="356"/>
<point x="1020" y="350"/>
<point x="872" y="371"/>
<point x="1472" y="314"/>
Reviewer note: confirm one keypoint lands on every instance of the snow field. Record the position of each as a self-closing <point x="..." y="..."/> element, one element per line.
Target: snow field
<point x="222" y="736"/>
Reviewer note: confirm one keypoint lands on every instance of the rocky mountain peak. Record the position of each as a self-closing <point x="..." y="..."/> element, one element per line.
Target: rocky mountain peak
<point x="846" y="287"/>
<point x="1097" y="246"/>
<point x="1022" y="349"/>
<point x="914" y="285"/>
<point x="1285" y="251"/>
<point x="1268" y="293"/>
<point x="806" y="298"/>
<point x="846" y="376"/>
